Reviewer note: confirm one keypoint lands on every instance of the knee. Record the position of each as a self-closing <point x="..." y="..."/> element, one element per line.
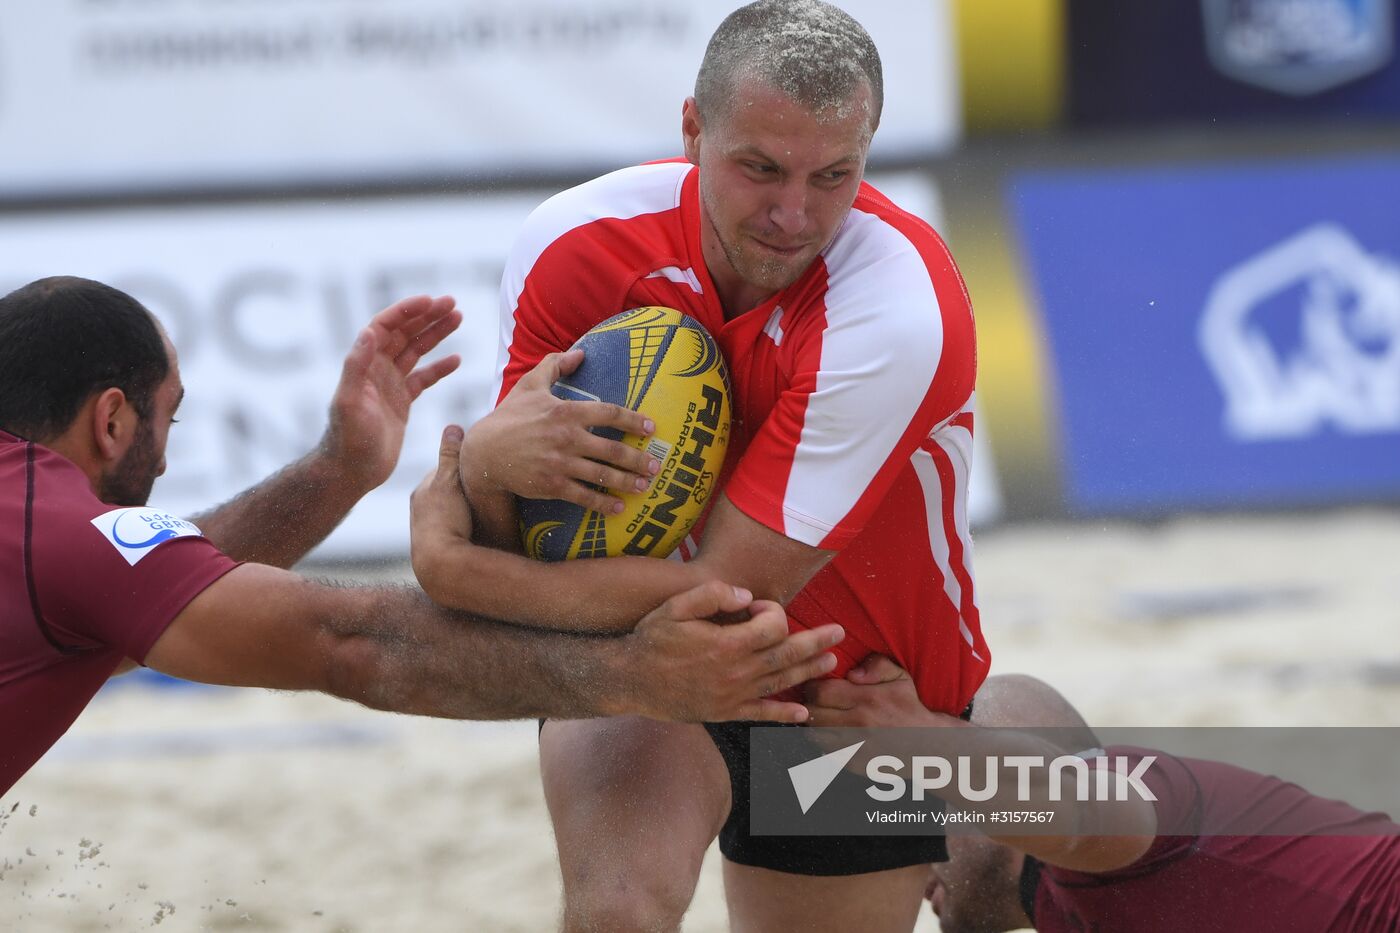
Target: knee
<point x="627" y="905"/>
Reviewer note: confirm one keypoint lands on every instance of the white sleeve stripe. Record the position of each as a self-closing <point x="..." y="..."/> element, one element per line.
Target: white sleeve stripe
<point x="956" y="442"/>
<point x="926" y="467"/>
<point x="879" y="353"/>
<point x="927" y="472"/>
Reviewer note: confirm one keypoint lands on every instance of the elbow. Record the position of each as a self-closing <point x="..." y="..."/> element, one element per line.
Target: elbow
<point x="364" y="670"/>
<point x="355" y="669"/>
<point x="1103" y="836"/>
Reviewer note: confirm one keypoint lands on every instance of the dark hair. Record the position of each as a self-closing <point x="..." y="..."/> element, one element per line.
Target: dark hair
<point x="64" y="338"/>
<point x="811" y="51"/>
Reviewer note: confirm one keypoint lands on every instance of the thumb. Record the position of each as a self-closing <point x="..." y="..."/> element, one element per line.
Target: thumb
<point x="548" y="370"/>
<point x="706" y="600"/>
<point x="450" y="450"/>
<point x="361" y="355"/>
<point x="876" y="669"/>
<point x="568" y="361"/>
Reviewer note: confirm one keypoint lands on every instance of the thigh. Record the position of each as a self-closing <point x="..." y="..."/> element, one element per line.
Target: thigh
<point x="766" y="901"/>
<point x="631" y="799"/>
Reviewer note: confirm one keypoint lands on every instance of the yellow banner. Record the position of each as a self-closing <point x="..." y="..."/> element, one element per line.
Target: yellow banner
<point x="1011" y="62"/>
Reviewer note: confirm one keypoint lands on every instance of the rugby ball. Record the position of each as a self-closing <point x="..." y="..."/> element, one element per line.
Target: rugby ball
<point x="665" y="365"/>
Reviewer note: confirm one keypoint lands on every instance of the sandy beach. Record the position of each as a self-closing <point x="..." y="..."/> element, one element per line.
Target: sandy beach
<point x="212" y="809"/>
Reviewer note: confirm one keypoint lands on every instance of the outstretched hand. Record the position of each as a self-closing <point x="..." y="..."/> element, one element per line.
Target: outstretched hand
<point x="379" y="384"/>
<point x="541" y="447"/>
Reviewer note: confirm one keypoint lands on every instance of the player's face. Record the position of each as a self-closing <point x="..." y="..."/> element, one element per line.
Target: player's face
<point x="776" y="182"/>
<point x="978" y="889"/>
<point x="129" y="481"/>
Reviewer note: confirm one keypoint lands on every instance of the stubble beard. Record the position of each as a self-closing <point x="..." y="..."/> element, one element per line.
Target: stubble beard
<point x="130" y="482"/>
<point x="769" y="274"/>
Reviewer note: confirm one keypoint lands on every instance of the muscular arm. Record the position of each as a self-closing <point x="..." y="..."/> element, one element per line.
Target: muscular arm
<point x="304" y="501"/>
<point x="386" y="647"/>
<point x="601" y="595"/>
<point x="391" y="648"/>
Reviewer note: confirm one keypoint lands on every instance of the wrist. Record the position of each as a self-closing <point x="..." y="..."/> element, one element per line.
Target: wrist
<point x="623" y="686"/>
<point x="330" y="466"/>
<point x="473" y="467"/>
<point x="441" y="562"/>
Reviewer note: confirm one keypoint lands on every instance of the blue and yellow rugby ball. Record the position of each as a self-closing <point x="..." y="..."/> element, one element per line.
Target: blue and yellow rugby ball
<point x="665" y="365"/>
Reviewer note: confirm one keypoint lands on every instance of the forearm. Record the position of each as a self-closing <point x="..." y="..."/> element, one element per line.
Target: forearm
<point x="303" y="502"/>
<point x="601" y="595"/>
<point x="402" y="653"/>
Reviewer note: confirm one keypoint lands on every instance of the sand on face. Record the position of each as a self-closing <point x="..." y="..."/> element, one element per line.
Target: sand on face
<point x="227" y="810"/>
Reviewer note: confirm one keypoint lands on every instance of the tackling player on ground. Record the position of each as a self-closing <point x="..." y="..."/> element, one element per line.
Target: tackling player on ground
<point x="849" y="338"/>
<point x="1220" y="849"/>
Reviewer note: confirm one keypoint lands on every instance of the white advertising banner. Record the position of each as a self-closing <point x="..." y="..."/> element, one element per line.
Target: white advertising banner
<point x="263" y="301"/>
<point x="145" y="95"/>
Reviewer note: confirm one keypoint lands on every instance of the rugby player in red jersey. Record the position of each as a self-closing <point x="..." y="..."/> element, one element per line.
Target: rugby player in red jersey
<point x="849" y="339"/>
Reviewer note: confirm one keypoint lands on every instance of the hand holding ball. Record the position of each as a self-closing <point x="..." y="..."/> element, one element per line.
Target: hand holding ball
<point x="665" y="365"/>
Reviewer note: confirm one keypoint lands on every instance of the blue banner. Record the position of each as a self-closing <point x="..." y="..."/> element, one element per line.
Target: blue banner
<point x="1133" y="63"/>
<point x="1221" y="337"/>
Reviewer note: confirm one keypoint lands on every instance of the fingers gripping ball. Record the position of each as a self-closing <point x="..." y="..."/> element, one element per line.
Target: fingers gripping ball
<point x="665" y="365"/>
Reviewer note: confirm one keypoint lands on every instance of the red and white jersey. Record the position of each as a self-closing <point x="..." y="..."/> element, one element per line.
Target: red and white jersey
<point x="852" y="398"/>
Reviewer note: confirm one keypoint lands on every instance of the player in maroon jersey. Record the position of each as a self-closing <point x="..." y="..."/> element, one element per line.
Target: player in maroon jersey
<point x="849" y="339"/>
<point x="1265" y="855"/>
<point x="93" y="579"/>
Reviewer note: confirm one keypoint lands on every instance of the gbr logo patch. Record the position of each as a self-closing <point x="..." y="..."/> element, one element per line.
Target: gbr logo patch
<point x="136" y="532"/>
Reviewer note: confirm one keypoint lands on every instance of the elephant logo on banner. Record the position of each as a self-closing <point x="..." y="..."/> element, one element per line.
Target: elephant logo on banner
<point x="1298" y="47"/>
<point x="1306" y="335"/>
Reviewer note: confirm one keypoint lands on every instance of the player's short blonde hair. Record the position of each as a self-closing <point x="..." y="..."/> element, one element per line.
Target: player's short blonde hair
<point x="813" y="52"/>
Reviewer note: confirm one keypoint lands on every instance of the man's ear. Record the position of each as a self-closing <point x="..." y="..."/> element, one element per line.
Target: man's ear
<point x="114" y="424"/>
<point x="691" y="126"/>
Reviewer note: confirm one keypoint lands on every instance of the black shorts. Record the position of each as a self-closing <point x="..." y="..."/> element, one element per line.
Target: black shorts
<point x="806" y="855"/>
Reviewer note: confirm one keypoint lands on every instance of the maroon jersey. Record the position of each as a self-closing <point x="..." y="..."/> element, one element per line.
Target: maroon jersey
<point x="852" y="399"/>
<point x="1337" y="868"/>
<point x="82" y="586"/>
